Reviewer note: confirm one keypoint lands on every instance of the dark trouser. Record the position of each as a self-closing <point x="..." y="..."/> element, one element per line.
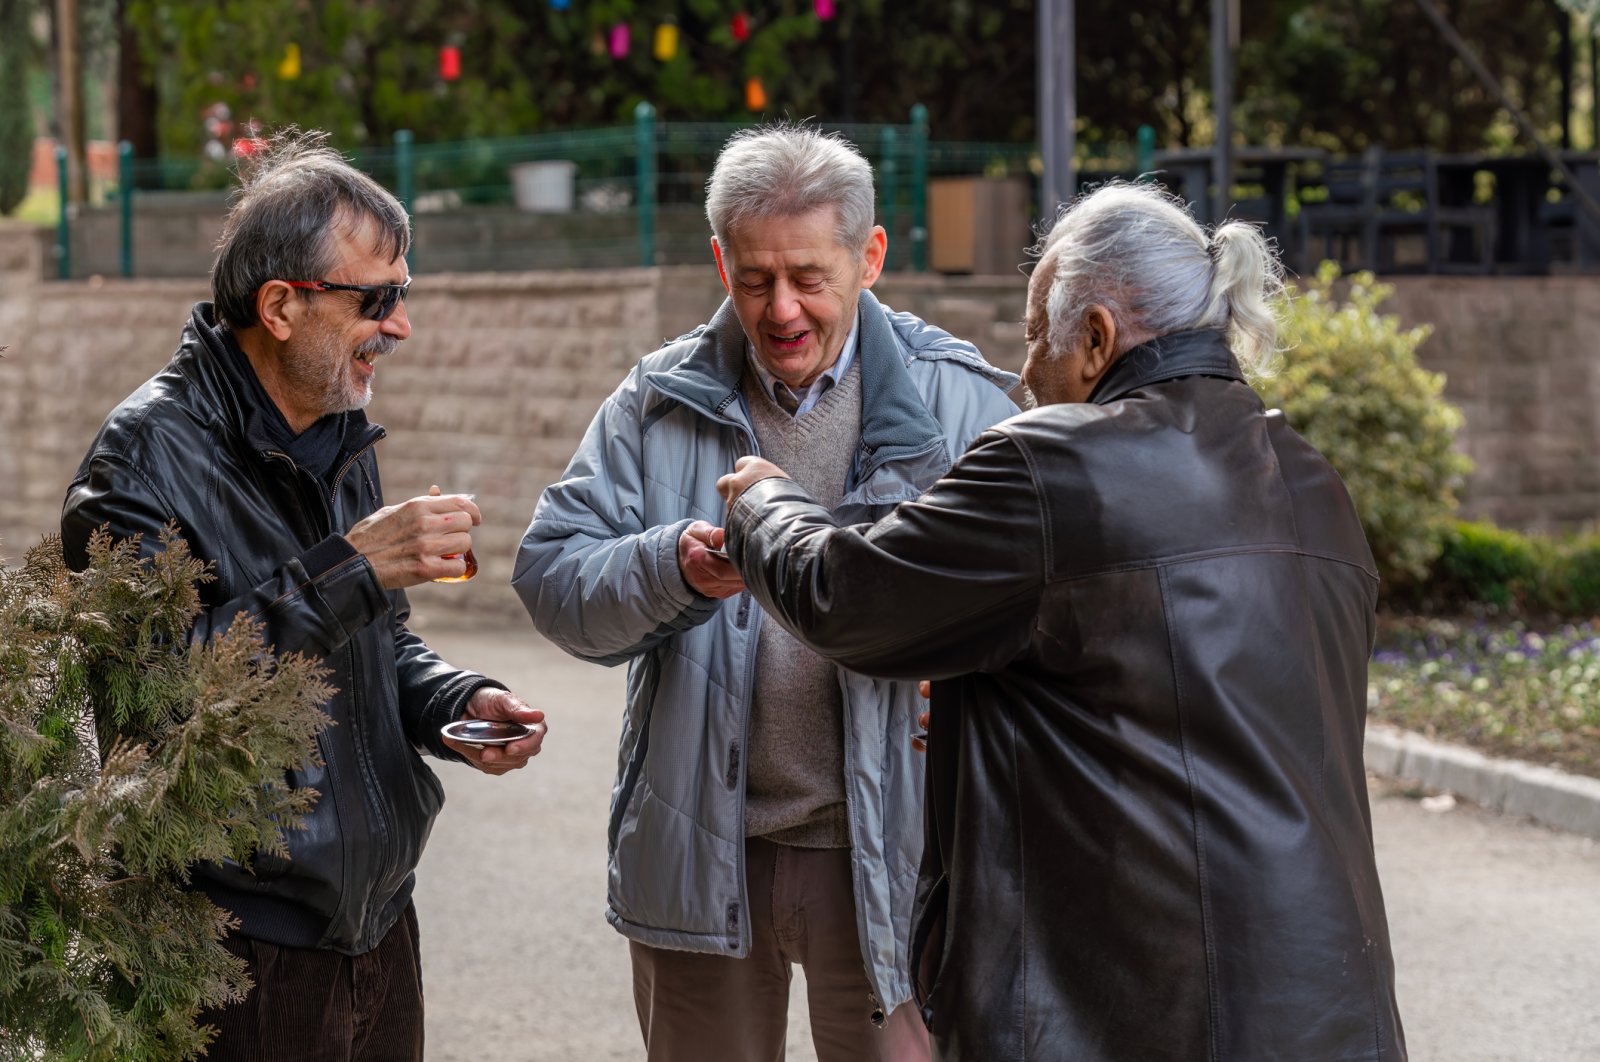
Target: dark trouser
<point x="695" y="1007"/>
<point x="315" y="1005"/>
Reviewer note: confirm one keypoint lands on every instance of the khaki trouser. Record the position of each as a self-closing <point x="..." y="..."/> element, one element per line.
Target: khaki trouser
<point x="695" y="1007"/>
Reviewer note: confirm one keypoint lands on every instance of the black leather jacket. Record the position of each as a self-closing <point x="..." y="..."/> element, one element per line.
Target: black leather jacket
<point x="188" y="446"/>
<point x="1149" y="618"/>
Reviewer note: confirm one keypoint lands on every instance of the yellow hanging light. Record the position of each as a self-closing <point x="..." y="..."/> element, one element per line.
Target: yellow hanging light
<point x="666" y="41"/>
<point x="289" y="65"/>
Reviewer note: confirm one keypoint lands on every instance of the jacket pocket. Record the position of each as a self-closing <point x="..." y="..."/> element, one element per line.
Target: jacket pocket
<point x="643" y="687"/>
<point x="928" y="943"/>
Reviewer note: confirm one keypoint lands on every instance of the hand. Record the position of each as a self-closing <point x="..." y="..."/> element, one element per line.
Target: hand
<point x="705" y="572"/>
<point x="747" y="472"/>
<point x="407" y="544"/>
<point x="490" y="703"/>
<point x="920" y="741"/>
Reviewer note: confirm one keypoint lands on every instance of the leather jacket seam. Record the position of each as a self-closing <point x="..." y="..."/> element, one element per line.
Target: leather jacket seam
<point x="1211" y="554"/>
<point x="1203" y="882"/>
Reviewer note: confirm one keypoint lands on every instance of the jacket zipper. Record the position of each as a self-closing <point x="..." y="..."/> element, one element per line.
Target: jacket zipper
<point x="751" y="634"/>
<point x="378" y="821"/>
<point x="875" y="1012"/>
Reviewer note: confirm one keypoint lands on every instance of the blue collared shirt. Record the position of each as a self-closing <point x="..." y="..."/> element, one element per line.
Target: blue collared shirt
<point x="819" y="387"/>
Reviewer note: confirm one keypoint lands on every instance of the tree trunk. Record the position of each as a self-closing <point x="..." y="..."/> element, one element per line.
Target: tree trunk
<point x="137" y="100"/>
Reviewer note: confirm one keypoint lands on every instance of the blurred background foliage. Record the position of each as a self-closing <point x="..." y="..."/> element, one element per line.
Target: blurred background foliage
<point x="1338" y="74"/>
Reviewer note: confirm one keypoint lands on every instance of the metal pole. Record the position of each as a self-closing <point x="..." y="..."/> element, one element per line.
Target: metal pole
<point x="1058" y="104"/>
<point x="919" y="188"/>
<point x="644" y="139"/>
<point x="125" y="197"/>
<point x="405" y="190"/>
<point x="1145" y="141"/>
<point x="1222" y="23"/>
<point x="888" y="187"/>
<point x="63" y="236"/>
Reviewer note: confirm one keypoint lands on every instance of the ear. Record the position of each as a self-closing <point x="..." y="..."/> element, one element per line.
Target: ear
<point x="1098" y="342"/>
<point x="278" y="309"/>
<point x="876" y="253"/>
<point x="722" y="270"/>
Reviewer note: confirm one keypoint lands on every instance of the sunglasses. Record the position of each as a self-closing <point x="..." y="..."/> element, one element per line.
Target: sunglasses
<point x="377" y="300"/>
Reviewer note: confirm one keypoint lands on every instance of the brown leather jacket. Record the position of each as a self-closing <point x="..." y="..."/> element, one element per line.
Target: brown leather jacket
<point x="1149" y="618"/>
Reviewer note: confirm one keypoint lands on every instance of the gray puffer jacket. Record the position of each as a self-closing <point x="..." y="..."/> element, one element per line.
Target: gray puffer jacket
<point x="598" y="572"/>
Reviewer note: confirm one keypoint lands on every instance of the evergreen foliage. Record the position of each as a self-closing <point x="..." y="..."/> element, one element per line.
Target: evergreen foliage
<point x="1350" y="383"/>
<point x="126" y="756"/>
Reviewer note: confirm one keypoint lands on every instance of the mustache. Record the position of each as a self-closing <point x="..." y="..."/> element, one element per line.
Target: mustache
<point x="379" y="344"/>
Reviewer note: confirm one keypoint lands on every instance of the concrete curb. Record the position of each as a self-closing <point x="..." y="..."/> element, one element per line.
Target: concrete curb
<point x="1554" y="798"/>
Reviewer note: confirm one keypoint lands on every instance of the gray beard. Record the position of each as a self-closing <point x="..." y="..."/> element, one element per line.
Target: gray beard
<point x="320" y="369"/>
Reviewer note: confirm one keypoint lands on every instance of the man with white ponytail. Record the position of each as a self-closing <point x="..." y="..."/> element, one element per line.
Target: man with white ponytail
<point x="1147" y="607"/>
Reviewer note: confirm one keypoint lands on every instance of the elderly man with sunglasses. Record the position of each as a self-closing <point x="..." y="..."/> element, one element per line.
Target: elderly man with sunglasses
<point x="252" y="442"/>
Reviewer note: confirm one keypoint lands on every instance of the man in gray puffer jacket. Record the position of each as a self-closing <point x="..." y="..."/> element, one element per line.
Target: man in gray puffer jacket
<point x="768" y="804"/>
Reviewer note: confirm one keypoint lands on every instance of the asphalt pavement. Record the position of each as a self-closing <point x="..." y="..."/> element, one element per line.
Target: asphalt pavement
<point x="1495" y="921"/>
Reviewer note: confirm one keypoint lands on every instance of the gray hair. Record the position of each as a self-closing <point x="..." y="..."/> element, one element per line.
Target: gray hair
<point x="785" y="170"/>
<point x="1134" y="249"/>
<point x="282" y="222"/>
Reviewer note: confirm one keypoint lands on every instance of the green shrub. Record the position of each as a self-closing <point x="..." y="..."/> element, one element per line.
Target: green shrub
<point x="1350" y="383"/>
<point x="1579" y="575"/>
<point x="1484" y="564"/>
<point x="1515" y="573"/>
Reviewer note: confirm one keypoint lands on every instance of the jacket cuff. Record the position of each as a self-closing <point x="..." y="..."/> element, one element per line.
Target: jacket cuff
<point x="745" y="513"/>
<point x="668" y="575"/>
<point x="327" y="555"/>
<point x="449" y="705"/>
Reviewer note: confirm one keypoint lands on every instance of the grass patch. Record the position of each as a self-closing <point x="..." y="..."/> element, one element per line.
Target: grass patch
<point x="1505" y="690"/>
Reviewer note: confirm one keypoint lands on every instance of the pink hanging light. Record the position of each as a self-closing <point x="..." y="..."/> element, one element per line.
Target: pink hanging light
<point x="619" y="40"/>
<point x="824" y="9"/>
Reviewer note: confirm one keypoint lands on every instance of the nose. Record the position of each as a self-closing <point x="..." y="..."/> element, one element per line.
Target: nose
<point x="783" y="306"/>
<point x="397" y="324"/>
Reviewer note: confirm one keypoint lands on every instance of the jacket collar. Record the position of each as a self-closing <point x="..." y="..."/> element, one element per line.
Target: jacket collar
<point x="894" y="418"/>
<point x="1202" y="352"/>
<point x="203" y="349"/>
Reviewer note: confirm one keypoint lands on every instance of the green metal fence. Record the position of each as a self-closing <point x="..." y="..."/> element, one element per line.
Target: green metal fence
<point x="603" y="197"/>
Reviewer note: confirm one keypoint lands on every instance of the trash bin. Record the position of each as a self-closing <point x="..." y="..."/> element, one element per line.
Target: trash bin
<point x="544" y="187"/>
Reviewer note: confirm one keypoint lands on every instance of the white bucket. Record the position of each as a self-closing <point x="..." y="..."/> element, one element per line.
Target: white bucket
<point x="544" y="187"/>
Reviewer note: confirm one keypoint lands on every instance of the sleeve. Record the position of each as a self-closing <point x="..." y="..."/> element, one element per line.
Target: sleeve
<point x="597" y="581"/>
<point x="433" y="692"/>
<point x="311" y="603"/>
<point x="945" y="585"/>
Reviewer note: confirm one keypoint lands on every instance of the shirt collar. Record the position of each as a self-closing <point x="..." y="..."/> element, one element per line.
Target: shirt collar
<point x="819" y="387"/>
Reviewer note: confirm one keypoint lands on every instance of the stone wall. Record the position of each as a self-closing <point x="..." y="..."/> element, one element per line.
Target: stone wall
<point x="505" y="370"/>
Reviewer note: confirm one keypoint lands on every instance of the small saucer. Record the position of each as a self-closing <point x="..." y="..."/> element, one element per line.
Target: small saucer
<point x="485" y="731"/>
